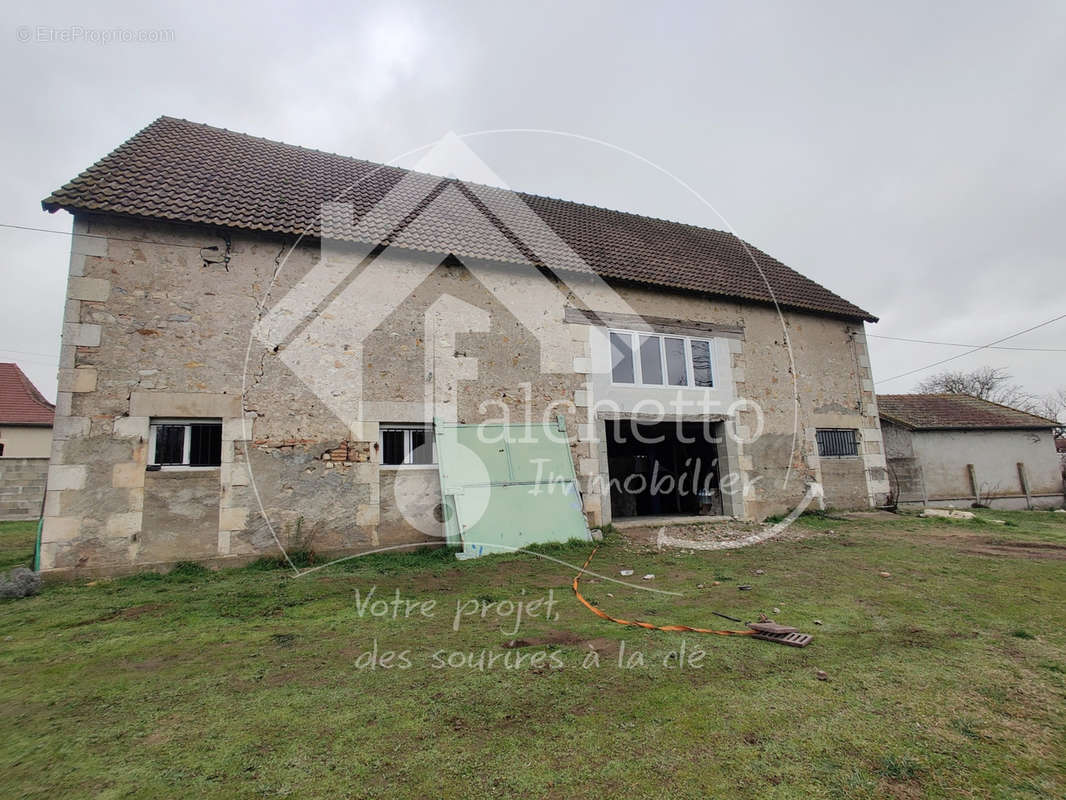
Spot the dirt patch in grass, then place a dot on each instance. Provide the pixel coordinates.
(971, 542)
(133, 612)
(1041, 550)
(557, 638)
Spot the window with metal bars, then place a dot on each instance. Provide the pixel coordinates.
(185, 443)
(837, 442)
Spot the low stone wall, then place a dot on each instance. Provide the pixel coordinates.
(22, 487)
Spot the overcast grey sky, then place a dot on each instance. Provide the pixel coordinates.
(908, 156)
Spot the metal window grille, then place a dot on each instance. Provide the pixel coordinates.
(837, 443)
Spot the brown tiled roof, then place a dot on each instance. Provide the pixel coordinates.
(954, 412)
(20, 402)
(188, 172)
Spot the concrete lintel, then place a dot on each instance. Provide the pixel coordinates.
(184, 404)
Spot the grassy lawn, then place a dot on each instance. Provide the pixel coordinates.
(16, 544)
(945, 679)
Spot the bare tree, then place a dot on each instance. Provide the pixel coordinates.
(1053, 406)
(988, 383)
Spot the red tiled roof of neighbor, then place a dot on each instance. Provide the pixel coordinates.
(20, 402)
(193, 173)
(954, 412)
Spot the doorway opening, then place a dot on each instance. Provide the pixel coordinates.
(663, 468)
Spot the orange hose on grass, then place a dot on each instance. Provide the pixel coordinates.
(639, 623)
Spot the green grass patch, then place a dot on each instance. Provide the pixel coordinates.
(253, 683)
(17, 542)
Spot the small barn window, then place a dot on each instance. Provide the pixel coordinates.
(185, 443)
(837, 442)
(405, 445)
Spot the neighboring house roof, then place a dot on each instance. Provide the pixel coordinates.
(1060, 444)
(189, 172)
(954, 412)
(20, 402)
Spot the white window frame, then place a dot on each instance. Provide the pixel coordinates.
(638, 367)
(155, 422)
(408, 450)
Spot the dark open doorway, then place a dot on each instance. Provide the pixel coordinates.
(663, 468)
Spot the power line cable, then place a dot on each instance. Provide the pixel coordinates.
(97, 236)
(28, 353)
(957, 344)
(974, 350)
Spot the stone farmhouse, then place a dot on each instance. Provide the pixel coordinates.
(258, 338)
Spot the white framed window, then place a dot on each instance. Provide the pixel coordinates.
(184, 443)
(406, 445)
(639, 358)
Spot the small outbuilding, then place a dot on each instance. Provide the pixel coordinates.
(25, 444)
(956, 450)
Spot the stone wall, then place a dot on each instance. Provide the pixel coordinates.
(158, 326)
(22, 487)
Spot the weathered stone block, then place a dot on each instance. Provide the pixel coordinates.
(66, 476)
(89, 245)
(365, 472)
(234, 474)
(126, 523)
(364, 431)
(236, 429)
(60, 529)
(82, 379)
(232, 519)
(52, 503)
(131, 427)
(77, 264)
(70, 428)
(72, 311)
(184, 404)
(127, 476)
(81, 334)
(136, 499)
(95, 289)
(367, 515)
